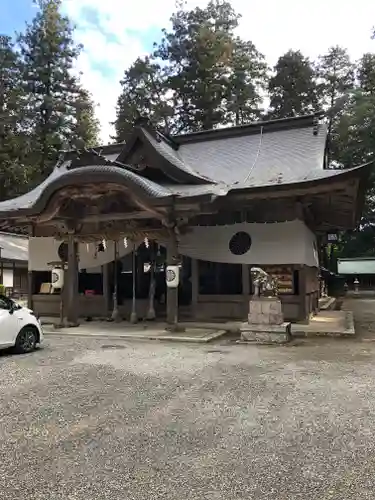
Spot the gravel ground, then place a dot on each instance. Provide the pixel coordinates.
(89, 419)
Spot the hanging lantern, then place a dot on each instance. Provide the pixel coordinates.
(172, 276)
(57, 277)
(147, 243)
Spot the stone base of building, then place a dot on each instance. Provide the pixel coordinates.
(266, 334)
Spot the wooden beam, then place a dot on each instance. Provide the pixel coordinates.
(109, 217)
(287, 192)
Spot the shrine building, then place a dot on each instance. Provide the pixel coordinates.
(215, 203)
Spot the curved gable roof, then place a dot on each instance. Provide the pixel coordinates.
(166, 155)
(63, 175)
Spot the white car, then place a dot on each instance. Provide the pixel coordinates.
(19, 327)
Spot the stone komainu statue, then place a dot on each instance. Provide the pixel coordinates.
(265, 285)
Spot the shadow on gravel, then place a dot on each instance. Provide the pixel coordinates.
(6, 353)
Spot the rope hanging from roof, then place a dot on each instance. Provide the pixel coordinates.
(127, 236)
(257, 155)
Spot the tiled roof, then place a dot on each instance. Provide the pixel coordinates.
(257, 155)
(27, 200)
(61, 176)
(262, 155)
(171, 155)
(264, 158)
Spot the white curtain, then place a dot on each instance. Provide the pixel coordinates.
(273, 243)
(45, 250)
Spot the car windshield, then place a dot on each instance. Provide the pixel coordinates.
(6, 302)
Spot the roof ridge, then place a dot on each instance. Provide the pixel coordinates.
(252, 127)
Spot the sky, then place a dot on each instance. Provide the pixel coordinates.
(115, 32)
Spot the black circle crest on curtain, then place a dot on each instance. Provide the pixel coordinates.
(240, 243)
(63, 252)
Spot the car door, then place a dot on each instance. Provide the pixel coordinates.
(9, 323)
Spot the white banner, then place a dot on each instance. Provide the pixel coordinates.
(45, 250)
(274, 243)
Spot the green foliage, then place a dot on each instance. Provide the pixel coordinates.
(357, 243)
(366, 73)
(53, 93)
(352, 126)
(355, 145)
(200, 75)
(292, 89)
(43, 106)
(143, 93)
(14, 141)
(335, 75)
(85, 125)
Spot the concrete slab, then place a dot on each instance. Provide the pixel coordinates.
(135, 332)
(327, 323)
(327, 303)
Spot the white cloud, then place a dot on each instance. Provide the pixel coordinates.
(274, 26)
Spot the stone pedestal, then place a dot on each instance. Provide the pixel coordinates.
(266, 323)
(265, 311)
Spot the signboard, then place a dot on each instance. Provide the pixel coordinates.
(284, 277)
(332, 237)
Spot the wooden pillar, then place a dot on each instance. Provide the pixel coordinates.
(30, 276)
(136, 272)
(303, 314)
(194, 286)
(106, 294)
(172, 293)
(115, 312)
(72, 312)
(246, 287)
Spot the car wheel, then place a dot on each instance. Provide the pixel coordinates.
(26, 340)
